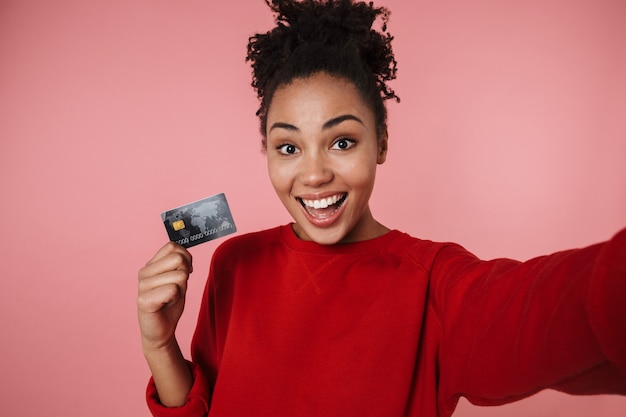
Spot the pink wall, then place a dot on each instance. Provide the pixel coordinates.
(510, 139)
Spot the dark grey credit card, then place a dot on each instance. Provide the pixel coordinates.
(200, 221)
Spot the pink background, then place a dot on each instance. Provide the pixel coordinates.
(510, 139)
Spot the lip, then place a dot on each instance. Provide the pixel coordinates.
(319, 196)
(325, 221)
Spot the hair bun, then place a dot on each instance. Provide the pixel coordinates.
(328, 22)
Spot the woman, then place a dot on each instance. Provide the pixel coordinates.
(335, 314)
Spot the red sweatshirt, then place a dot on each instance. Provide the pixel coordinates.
(398, 326)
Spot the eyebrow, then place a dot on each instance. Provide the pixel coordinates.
(330, 123)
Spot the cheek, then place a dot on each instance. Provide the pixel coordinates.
(360, 173)
(279, 177)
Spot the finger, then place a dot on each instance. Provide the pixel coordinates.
(169, 248)
(174, 261)
(159, 298)
(178, 278)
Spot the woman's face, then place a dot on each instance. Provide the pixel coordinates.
(322, 152)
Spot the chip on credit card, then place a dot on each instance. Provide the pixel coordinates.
(200, 221)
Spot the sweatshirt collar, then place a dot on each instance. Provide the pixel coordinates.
(372, 245)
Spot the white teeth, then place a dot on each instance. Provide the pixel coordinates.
(323, 203)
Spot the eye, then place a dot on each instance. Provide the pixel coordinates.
(343, 144)
(287, 149)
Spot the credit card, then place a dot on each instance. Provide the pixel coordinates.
(200, 221)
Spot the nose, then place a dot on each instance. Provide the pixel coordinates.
(315, 169)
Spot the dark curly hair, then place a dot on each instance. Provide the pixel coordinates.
(332, 36)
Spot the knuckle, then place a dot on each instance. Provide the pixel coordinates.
(171, 246)
(182, 262)
(176, 259)
(143, 303)
(180, 276)
(142, 287)
(180, 257)
(142, 274)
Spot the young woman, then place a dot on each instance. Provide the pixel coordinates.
(335, 314)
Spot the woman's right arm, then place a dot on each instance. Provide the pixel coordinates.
(160, 303)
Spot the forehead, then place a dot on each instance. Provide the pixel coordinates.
(318, 98)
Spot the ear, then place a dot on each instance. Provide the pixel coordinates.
(382, 148)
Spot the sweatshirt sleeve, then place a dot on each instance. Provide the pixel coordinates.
(511, 329)
(606, 302)
(197, 400)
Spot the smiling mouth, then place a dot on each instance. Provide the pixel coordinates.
(324, 207)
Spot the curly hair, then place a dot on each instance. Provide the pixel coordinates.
(332, 36)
